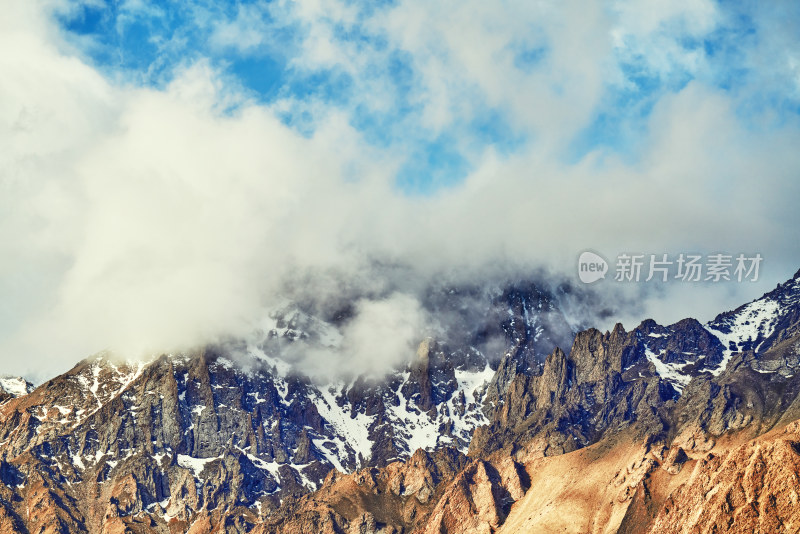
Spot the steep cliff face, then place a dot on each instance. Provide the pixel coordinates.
(605, 382)
(167, 440)
(734, 372)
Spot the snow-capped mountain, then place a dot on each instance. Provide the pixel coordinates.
(234, 437)
(681, 351)
(239, 425)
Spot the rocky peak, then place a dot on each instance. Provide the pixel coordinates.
(761, 324)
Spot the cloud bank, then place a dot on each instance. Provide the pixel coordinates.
(155, 204)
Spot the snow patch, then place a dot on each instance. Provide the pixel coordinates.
(671, 372)
(196, 465)
(758, 318)
(352, 429)
(14, 385)
(470, 382)
(415, 427)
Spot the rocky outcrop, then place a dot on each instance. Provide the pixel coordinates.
(580, 396)
(479, 499)
(396, 498)
(754, 487)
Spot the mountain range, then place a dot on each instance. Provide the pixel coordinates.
(512, 418)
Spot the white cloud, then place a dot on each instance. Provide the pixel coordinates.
(142, 219)
(245, 33)
(384, 333)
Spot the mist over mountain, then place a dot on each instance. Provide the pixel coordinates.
(157, 201)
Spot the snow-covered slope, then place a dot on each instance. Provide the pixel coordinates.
(15, 386)
(753, 326)
(687, 349)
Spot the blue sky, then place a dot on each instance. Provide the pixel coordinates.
(168, 166)
(260, 47)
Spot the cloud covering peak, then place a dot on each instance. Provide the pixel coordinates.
(169, 171)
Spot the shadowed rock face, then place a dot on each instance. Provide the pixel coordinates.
(663, 427)
(662, 380)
